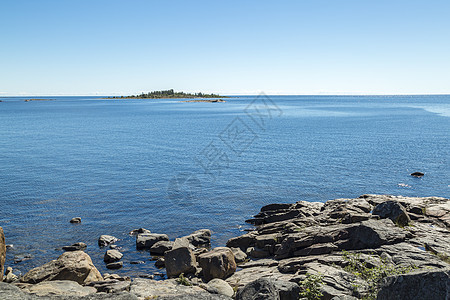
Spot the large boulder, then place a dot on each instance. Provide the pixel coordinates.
(145, 241)
(60, 288)
(217, 263)
(200, 237)
(419, 285)
(219, 286)
(112, 256)
(180, 260)
(393, 210)
(260, 289)
(2, 253)
(159, 248)
(75, 265)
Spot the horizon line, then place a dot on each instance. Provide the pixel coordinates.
(230, 95)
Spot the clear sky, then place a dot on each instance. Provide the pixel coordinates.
(232, 47)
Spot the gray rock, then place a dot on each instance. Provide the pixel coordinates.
(160, 263)
(147, 240)
(139, 231)
(105, 240)
(260, 289)
(221, 287)
(12, 292)
(394, 211)
(75, 220)
(59, 287)
(200, 237)
(112, 256)
(114, 265)
(217, 263)
(159, 248)
(196, 296)
(287, 290)
(111, 286)
(243, 242)
(75, 265)
(75, 247)
(419, 285)
(239, 255)
(179, 260)
(2, 253)
(157, 289)
(10, 276)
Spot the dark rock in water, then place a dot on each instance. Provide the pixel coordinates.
(139, 231)
(160, 263)
(200, 237)
(159, 248)
(394, 211)
(112, 256)
(115, 265)
(21, 258)
(105, 240)
(419, 285)
(417, 174)
(262, 288)
(114, 247)
(217, 263)
(147, 240)
(137, 262)
(2, 252)
(75, 220)
(75, 247)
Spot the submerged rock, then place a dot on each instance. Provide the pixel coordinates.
(75, 247)
(417, 174)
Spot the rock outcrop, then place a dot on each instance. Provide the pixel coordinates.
(75, 266)
(217, 263)
(2, 253)
(145, 241)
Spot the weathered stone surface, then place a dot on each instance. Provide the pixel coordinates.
(12, 292)
(59, 287)
(260, 289)
(2, 253)
(179, 260)
(196, 296)
(287, 290)
(75, 247)
(112, 256)
(394, 211)
(219, 286)
(114, 265)
(243, 241)
(159, 248)
(420, 285)
(239, 255)
(217, 263)
(105, 240)
(75, 265)
(200, 237)
(147, 240)
(10, 276)
(147, 288)
(111, 285)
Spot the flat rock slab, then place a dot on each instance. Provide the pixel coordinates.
(59, 287)
(143, 288)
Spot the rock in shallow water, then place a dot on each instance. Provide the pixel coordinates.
(147, 240)
(75, 220)
(105, 240)
(112, 256)
(75, 247)
(114, 265)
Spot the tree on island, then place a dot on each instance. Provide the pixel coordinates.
(169, 94)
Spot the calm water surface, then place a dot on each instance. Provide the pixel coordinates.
(177, 167)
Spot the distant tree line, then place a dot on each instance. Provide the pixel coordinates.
(169, 94)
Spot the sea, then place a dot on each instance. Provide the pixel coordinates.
(175, 167)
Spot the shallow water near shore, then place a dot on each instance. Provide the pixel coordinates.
(176, 167)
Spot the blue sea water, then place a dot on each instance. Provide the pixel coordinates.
(176, 167)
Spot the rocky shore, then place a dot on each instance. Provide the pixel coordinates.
(371, 247)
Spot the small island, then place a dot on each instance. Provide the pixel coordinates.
(37, 99)
(168, 94)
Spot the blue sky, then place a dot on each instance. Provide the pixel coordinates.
(232, 47)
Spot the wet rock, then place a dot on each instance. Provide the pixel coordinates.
(75, 265)
(417, 174)
(2, 253)
(239, 255)
(75, 220)
(179, 260)
(114, 265)
(217, 263)
(428, 284)
(105, 240)
(137, 262)
(219, 286)
(59, 288)
(394, 211)
(112, 256)
(200, 238)
(75, 247)
(22, 257)
(139, 231)
(160, 263)
(147, 240)
(262, 288)
(159, 248)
